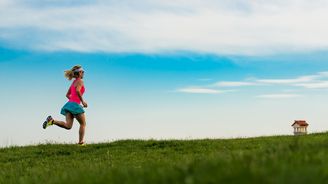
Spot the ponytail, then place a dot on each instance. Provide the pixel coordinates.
(70, 74)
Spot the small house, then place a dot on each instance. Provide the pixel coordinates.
(300, 127)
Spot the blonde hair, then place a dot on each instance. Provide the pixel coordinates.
(70, 74)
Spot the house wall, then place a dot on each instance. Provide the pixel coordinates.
(300, 130)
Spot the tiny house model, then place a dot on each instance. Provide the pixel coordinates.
(300, 127)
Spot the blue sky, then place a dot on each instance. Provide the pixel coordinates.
(159, 69)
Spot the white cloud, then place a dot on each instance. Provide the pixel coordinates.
(222, 27)
(279, 96)
(315, 81)
(314, 85)
(288, 81)
(323, 74)
(198, 90)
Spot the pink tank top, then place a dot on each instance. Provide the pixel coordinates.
(74, 97)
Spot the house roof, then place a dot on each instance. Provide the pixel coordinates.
(300, 123)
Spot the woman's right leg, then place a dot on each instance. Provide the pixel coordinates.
(69, 121)
(81, 119)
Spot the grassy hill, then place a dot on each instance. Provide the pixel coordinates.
(276, 159)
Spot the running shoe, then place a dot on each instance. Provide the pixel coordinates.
(81, 144)
(49, 121)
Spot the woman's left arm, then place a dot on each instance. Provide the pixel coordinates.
(79, 85)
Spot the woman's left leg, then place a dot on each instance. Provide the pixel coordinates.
(81, 119)
(69, 121)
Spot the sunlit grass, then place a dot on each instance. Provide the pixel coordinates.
(276, 159)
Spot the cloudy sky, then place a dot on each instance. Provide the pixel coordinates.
(164, 69)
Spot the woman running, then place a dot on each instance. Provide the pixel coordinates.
(72, 109)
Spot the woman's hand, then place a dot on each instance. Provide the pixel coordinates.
(84, 103)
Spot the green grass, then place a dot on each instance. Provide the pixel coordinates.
(276, 159)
